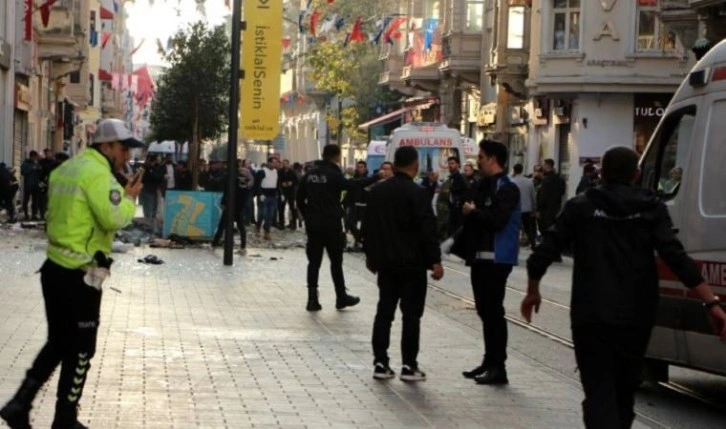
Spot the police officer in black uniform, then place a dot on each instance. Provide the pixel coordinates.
(319, 202)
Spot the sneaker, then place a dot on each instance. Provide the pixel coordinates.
(412, 374)
(383, 372)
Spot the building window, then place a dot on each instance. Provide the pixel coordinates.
(652, 34)
(474, 15)
(566, 25)
(515, 28)
(75, 77)
(432, 9)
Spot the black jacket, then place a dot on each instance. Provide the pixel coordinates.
(287, 176)
(614, 231)
(549, 198)
(497, 214)
(319, 195)
(458, 189)
(400, 226)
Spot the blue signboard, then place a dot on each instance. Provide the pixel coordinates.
(192, 214)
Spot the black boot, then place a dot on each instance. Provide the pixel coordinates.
(66, 416)
(344, 300)
(16, 413)
(313, 303)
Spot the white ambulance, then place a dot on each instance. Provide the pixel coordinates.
(435, 143)
(685, 161)
(376, 154)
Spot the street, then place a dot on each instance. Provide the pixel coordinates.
(191, 343)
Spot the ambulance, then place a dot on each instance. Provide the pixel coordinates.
(376, 155)
(435, 143)
(471, 151)
(685, 162)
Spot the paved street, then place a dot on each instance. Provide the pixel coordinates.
(192, 344)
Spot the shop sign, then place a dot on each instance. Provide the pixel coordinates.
(23, 99)
(650, 106)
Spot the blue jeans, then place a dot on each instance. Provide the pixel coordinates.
(269, 211)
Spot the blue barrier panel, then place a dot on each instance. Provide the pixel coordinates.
(192, 214)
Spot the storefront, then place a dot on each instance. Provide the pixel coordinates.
(21, 130)
(647, 111)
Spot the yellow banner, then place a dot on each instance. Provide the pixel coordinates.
(262, 65)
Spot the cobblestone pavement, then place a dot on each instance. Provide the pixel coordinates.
(191, 343)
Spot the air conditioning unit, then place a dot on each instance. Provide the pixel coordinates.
(559, 111)
(538, 113)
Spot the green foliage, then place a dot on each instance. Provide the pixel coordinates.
(351, 71)
(195, 86)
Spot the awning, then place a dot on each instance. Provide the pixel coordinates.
(395, 115)
(106, 14)
(105, 76)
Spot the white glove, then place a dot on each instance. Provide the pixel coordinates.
(447, 245)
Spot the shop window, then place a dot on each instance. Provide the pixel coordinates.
(665, 159)
(713, 191)
(566, 36)
(474, 15)
(515, 28)
(652, 34)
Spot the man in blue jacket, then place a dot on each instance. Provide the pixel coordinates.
(489, 242)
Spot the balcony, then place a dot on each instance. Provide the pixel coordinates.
(462, 56)
(63, 40)
(422, 60)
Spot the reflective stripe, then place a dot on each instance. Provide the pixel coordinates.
(79, 257)
(484, 255)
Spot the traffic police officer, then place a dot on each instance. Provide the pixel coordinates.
(319, 202)
(86, 206)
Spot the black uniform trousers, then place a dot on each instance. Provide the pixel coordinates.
(329, 238)
(73, 310)
(407, 286)
(609, 359)
(530, 229)
(239, 220)
(489, 282)
(289, 201)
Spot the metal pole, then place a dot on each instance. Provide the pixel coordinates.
(340, 120)
(233, 127)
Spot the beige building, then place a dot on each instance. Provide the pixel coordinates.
(601, 74)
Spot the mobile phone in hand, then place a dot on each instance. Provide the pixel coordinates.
(138, 176)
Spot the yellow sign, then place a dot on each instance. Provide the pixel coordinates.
(262, 65)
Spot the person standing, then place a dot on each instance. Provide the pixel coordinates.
(245, 182)
(8, 189)
(615, 283)
(86, 207)
(549, 197)
(319, 202)
(288, 184)
(457, 188)
(400, 244)
(527, 200)
(267, 199)
(31, 171)
(489, 242)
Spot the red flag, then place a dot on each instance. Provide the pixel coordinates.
(28, 20)
(314, 22)
(356, 35)
(45, 11)
(331, 1)
(137, 47)
(392, 32)
(286, 42)
(105, 37)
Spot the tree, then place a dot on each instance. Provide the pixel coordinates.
(350, 72)
(192, 97)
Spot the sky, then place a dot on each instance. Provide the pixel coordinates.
(161, 19)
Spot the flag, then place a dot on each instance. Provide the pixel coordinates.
(300, 22)
(114, 80)
(115, 6)
(105, 37)
(286, 42)
(310, 2)
(328, 24)
(133, 51)
(340, 23)
(381, 24)
(431, 25)
(28, 20)
(392, 31)
(331, 1)
(314, 21)
(356, 34)
(45, 11)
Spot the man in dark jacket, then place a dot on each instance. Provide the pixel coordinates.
(288, 184)
(31, 171)
(245, 182)
(489, 242)
(614, 230)
(8, 189)
(318, 198)
(400, 244)
(457, 189)
(549, 196)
